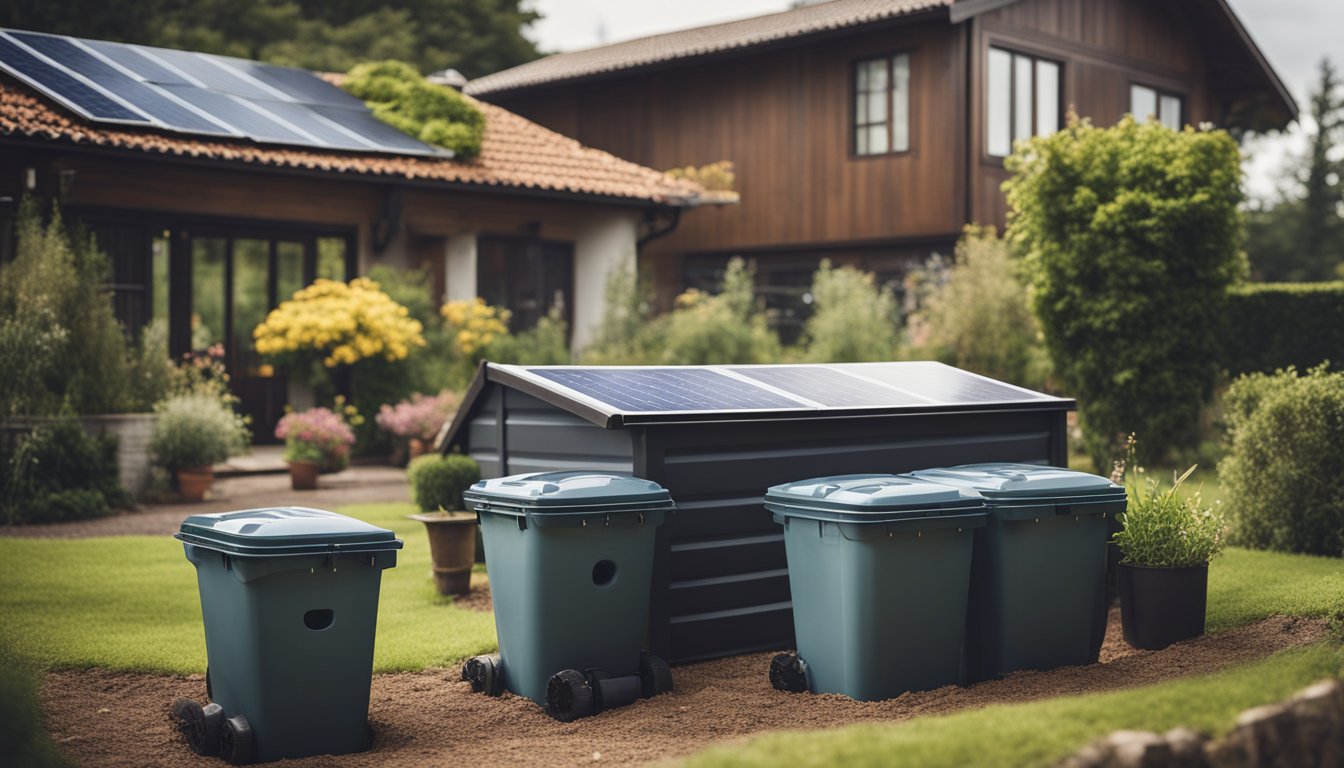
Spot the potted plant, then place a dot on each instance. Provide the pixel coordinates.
(316, 440)
(437, 482)
(1167, 540)
(193, 432)
(417, 420)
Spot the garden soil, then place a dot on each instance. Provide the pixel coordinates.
(431, 718)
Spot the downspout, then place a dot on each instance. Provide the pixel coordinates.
(655, 231)
(969, 81)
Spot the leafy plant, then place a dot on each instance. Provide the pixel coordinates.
(1130, 239)
(1284, 469)
(1166, 527)
(196, 430)
(726, 327)
(546, 343)
(854, 321)
(420, 417)
(715, 177)
(624, 335)
(318, 434)
(59, 472)
(437, 482)
(401, 97)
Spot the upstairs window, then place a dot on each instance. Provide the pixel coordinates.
(1023, 99)
(882, 105)
(1146, 103)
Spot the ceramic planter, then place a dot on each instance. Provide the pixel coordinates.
(193, 482)
(452, 547)
(303, 475)
(1159, 606)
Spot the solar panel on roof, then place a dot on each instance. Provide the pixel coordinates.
(666, 389)
(945, 384)
(828, 386)
(198, 93)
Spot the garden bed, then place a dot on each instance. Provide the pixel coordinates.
(430, 717)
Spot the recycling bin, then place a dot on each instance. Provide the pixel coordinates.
(880, 571)
(1038, 599)
(570, 558)
(290, 602)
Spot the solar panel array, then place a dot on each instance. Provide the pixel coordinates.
(783, 387)
(198, 93)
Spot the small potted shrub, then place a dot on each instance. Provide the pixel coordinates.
(437, 482)
(417, 420)
(1167, 541)
(316, 440)
(193, 432)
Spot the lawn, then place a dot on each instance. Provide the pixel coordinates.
(131, 603)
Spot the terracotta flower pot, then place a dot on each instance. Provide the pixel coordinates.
(415, 448)
(303, 475)
(452, 547)
(193, 482)
(1159, 606)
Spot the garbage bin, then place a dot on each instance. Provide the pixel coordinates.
(570, 557)
(879, 569)
(290, 602)
(1038, 599)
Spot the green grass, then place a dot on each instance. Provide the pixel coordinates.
(131, 603)
(1247, 585)
(1040, 733)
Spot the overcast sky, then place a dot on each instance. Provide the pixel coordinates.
(1294, 35)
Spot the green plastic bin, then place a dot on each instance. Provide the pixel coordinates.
(290, 602)
(879, 570)
(1039, 592)
(570, 557)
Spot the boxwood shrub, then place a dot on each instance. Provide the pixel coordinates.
(1275, 325)
(437, 481)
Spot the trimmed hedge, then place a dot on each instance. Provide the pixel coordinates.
(1275, 325)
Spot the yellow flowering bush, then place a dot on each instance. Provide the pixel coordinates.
(472, 325)
(342, 323)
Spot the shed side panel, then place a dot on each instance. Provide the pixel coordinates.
(540, 437)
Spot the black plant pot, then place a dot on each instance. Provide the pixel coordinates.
(1159, 606)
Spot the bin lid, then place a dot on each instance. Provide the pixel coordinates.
(276, 531)
(868, 498)
(1020, 482)
(571, 490)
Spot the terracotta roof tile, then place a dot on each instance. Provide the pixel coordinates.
(516, 154)
(700, 41)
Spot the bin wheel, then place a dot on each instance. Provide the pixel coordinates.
(199, 725)
(484, 674)
(788, 672)
(655, 676)
(236, 745)
(568, 696)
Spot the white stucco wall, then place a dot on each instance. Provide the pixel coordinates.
(602, 244)
(459, 262)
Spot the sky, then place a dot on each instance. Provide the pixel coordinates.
(1293, 34)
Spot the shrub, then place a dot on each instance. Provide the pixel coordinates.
(1165, 528)
(319, 434)
(60, 473)
(1283, 475)
(23, 738)
(715, 177)
(854, 319)
(716, 330)
(1130, 238)
(421, 417)
(980, 318)
(196, 430)
(546, 343)
(401, 97)
(1275, 325)
(437, 482)
(624, 337)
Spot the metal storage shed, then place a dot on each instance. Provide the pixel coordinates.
(718, 436)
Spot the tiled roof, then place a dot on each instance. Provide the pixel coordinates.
(701, 41)
(516, 154)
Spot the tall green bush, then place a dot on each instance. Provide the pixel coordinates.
(1130, 237)
(854, 319)
(1275, 325)
(1283, 476)
(724, 328)
(980, 319)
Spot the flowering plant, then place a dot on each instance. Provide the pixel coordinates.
(472, 325)
(318, 434)
(420, 417)
(340, 324)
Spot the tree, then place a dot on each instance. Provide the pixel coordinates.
(1130, 236)
(1300, 237)
(475, 37)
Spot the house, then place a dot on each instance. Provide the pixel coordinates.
(210, 225)
(871, 131)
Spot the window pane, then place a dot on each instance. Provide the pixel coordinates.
(207, 291)
(251, 270)
(1170, 111)
(1142, 102)
(998, 109)
(331, 258)
(288, 269)
(877, 139)
(1022, 97)
(900, 103)
(159, 282)
(860, 107)
(877, 75)
(877, 108)
(1047, 98)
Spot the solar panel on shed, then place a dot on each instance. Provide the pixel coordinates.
(656, 390)
(198, 93)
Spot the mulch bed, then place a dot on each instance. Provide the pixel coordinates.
(431, 718)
